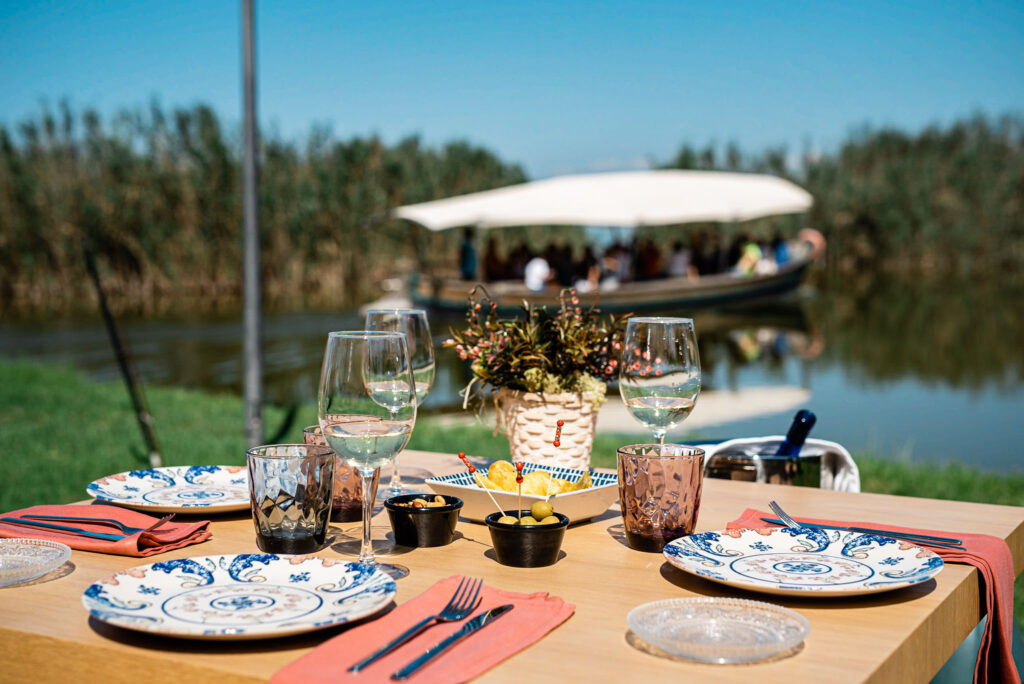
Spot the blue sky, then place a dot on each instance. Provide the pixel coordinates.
(560, 87)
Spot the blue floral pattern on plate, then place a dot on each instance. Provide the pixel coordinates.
(245, 596)
(803, 562)
(176, 489)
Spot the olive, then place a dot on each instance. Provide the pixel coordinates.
(541, 510)
(550, 520)
(507, 520)
(528, 520)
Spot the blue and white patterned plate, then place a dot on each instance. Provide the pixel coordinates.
(803, 562)
(177, 489)
(246, 596)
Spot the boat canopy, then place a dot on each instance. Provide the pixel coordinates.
(627, 199)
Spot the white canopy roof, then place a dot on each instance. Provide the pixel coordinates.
(631, 198)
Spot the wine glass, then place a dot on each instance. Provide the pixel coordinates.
(412, 322)
(366, 374)
(659, 372)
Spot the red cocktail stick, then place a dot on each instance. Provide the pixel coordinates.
(519, 483)
(476, 478)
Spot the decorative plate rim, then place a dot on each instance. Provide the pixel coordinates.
(259, 630)
(94, 489)
(852, 540)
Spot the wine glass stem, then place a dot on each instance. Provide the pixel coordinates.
(366, 550)
(395, 488)
(660, 436)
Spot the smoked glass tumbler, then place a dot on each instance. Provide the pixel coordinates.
(659, 492)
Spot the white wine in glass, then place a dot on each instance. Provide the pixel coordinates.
(659, 372)
(366, 428)
(389, 392)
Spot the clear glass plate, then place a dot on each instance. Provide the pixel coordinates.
(718, 630)
(22, 560)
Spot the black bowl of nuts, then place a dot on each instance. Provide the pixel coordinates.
(423, 519)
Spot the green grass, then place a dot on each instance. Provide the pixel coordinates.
(61, 431)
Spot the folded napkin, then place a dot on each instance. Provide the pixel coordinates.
(990, 555)
(838, 470)
(534, 616)
(170, 535)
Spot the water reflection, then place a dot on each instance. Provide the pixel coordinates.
(885, 360)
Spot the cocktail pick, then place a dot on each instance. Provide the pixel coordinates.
(519, 484)
(557, 443)
(476, 478)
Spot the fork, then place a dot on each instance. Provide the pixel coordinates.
(783, 516)
(463, 602)
(124, 528)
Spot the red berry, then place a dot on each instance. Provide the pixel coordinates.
(557, 443)
(560, 423)
(462, 455)
(472, 469)
(519, 466)
(519, 479)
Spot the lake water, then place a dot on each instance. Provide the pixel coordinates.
(925, 372)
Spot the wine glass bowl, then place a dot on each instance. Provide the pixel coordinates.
(390, 392)
(366, 406)
(659, 372)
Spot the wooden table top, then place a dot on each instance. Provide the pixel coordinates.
(900, 636)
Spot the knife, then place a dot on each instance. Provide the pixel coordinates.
(471, 626)
(63, 528)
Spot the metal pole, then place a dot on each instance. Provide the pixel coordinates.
(142, 413)
(251, 315)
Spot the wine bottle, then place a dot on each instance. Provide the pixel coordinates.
(803, 421)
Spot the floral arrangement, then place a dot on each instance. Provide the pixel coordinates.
(571, 350)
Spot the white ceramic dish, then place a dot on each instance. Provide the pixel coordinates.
(245, 596)
(719, 630)
(804, 562)
(578, 506)
(177, 489)
(22, 560)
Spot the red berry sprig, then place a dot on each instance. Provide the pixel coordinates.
(558, 433)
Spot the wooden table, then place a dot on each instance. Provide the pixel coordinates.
(902, 636)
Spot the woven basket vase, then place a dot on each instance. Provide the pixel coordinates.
(531, 420)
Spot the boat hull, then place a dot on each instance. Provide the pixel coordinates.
(666, 293)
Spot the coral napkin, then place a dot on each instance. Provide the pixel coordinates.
(990, 555)
(534, 616)
(170, 535)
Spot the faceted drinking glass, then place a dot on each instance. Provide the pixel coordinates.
(659, 492)
(290, 491)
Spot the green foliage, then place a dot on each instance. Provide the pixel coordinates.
(158, 195)
(568, 351)
(950, 198)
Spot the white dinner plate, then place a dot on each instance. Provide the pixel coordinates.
(804, 562)
(245, 596)
(177, 489)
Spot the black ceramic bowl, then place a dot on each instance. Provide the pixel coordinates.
(423, 526)
(526, 546)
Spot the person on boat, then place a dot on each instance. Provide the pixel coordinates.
(780, 250)
(467, 256)
(750, 255)
(495, 267)
(537, 274)
(679, 263)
